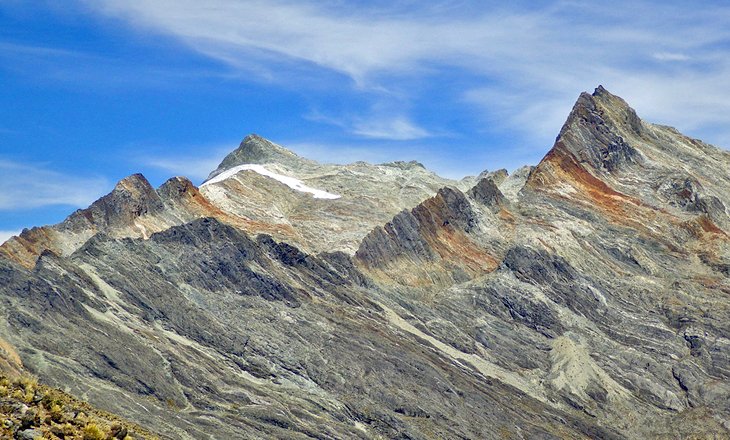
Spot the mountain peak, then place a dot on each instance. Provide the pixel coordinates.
(135, 183)
(603, 107)
(255, 149)
(600, 131)
(595, 146)
(132, 197)
(601, 92)
(412, 307)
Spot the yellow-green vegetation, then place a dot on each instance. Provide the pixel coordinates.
(48, 413)
(92, 431)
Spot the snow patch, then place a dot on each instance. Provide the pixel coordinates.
(291, 182)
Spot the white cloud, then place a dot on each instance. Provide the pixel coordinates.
(5, 235)
(532, 61)
(356, 42)
(670, 56)
(386, 127)
(51, 65)
(378, 125)
(515, 109)
(16, 50)
(25, 186)
(399, 128)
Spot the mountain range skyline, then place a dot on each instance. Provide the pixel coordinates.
(95, 91)
(584, 297)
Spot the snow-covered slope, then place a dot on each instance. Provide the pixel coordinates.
(291, 182)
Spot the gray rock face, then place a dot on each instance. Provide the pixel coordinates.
(400, 236)
(29, 434)
(594, 136)
(487, 193)
(437, 243)
(586, 297)
(132, 209)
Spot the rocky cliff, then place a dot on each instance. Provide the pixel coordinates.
(586, 297)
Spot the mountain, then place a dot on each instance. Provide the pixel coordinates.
(585, 297)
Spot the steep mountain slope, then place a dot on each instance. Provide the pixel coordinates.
(587, 297)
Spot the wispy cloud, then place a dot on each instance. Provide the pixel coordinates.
(16, 49)
(379, 126)
(671, 56)
(358, 42)
(531, 61)
(60, 66)
(24, 186)
(399, 128)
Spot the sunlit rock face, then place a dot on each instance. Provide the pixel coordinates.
(585, 297)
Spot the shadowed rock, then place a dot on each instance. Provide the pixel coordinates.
(487, 193)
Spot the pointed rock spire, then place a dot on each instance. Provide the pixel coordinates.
(595, 148)
(176, 188)
(599, 132)
(432, 241)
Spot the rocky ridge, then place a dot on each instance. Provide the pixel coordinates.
(586, 297)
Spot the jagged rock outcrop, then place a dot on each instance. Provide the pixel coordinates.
(487, 193)
(598, 131)
(131, 199)
(132, 209)
(440, 242)
(606, 155)
(586, 297)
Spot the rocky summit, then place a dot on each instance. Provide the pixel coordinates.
(585, 297)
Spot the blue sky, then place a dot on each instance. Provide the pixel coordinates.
(92, 91)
